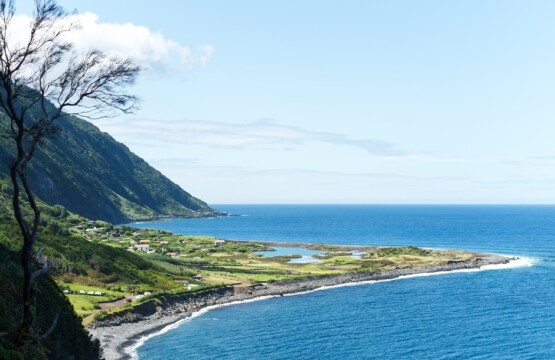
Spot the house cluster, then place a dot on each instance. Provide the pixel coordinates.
(149, 246)
(141, 245)
(138, 242)
(83, 292)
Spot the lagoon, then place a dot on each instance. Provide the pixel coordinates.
(302, 255)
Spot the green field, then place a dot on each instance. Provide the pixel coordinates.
(122, 261)
(85, 304)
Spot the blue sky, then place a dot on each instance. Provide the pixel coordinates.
(339, 102)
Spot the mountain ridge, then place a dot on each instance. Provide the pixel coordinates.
(90, 173)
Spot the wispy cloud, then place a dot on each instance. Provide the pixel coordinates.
(149, 49)
(536, 161)
(227, 170)
(523, 181)
(262, 133)
(543, 158)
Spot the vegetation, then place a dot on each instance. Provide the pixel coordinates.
(122, 261)
(68, 339)
(92, 265)
(43, 67)
(128, 266)
(117, 185)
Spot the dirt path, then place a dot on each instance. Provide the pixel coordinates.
(107, 305)
(116, 303)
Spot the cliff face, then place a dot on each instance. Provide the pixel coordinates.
(91, 174)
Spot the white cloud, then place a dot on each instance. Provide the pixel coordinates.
(149, 49)
(261, 133)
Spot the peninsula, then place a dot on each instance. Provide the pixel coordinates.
(236, 271)
(126, 283)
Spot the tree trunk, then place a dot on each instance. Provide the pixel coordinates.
(27, 264)
(18, 177)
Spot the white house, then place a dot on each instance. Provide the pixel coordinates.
(142, 247)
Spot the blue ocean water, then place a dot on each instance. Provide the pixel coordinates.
(497, 314)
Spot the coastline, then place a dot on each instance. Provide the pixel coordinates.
(122, 333)
(162, 218)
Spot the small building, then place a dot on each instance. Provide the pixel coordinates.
(198, 277)
(144, 241)
(219, 243)
(164, 242)
(172, 254)
(142, 247)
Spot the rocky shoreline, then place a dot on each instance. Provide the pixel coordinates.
(118, 332)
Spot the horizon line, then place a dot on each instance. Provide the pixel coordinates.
(386, 204)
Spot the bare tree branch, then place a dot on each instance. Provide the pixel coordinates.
(52, 326)
(45, 265)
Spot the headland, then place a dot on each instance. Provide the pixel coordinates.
(121, 333)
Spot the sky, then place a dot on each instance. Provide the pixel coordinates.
(350, 102)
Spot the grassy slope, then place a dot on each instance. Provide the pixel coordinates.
(77, 261)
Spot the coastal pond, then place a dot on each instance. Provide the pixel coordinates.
(306, 255)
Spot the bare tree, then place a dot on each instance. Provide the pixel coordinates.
(42, 79)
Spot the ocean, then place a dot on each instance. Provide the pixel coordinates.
(495, 314)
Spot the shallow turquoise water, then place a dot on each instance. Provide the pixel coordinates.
(497, 314)
(307, 255)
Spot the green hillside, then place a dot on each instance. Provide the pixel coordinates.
(74, 256)
(68, 340)
(89, 173)
(75, 263)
